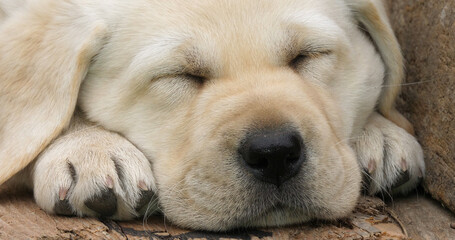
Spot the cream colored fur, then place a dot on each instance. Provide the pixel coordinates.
(90, 149)
(169, 89)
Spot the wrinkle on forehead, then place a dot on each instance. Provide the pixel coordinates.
(225, 43)
(236, 40)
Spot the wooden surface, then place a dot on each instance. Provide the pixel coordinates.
(424, 218)
(417, 215)
(426, 32)
(21, 218)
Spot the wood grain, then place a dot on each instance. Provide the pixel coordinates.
(426, 32)
(21, 218)
(424, 218)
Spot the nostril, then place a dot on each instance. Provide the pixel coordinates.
(261, 163)
(292, 159)
(273, 156)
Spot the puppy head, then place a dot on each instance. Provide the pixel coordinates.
(245, 109)
(242, 113)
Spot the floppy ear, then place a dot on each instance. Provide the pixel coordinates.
(45, 52)
(372, 15)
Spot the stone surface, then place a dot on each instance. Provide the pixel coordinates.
(426, 32)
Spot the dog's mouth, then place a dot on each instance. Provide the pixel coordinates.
(281, 206)
(274, 215)
(280, 215)
(260, 205)
(231, 194)
(266, 166)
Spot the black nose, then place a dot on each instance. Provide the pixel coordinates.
(273, 156)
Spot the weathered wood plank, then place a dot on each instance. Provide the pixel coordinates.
(424, 218)
(426, 32)
(21, 218)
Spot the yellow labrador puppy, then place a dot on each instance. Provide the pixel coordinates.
(218, 113)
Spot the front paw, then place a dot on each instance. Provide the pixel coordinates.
(93, 172)
(391, 158)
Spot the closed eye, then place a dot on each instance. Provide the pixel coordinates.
(295, 62)
(196, 78)
(307, 56)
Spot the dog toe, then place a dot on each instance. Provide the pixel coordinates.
(403, 178)
(93, 172)
(392, 158)
(63, 207)
(144, 201)
(105, 204)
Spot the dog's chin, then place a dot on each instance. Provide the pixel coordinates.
(279, 216)
(276, 216)
(263, 211)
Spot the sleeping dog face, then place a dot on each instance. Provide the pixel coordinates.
(244, 108)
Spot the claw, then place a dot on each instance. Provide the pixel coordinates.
(62, 193)
(63, 207)
(404, 178)
(105, 203)
(403, 165)
(109, 182)
(146, 197)
(371, 166)
(143, 186)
